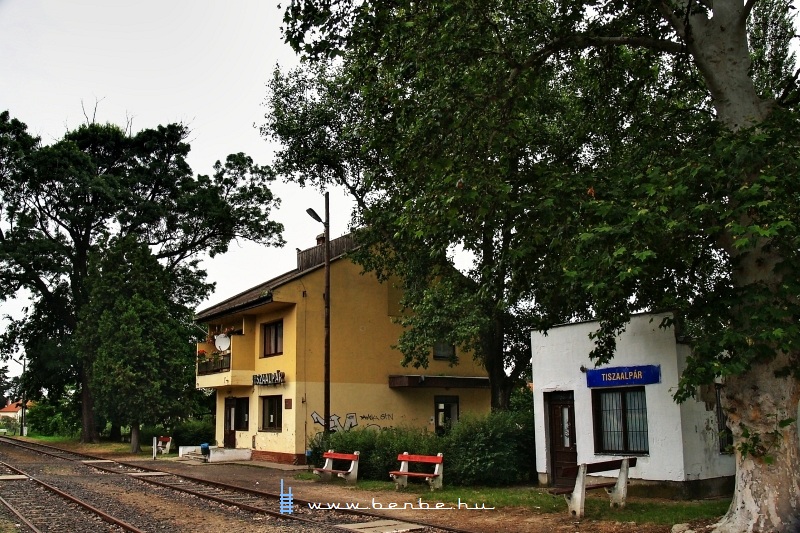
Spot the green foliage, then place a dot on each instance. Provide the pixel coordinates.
(193, 433)
(52, 420)
(137, 334)
(64, 203)
(495, 450)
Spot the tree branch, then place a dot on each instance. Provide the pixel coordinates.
(579, 42)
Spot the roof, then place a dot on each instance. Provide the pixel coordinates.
(14, 407)
(307, 261)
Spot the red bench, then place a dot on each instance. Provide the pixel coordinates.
(434, 479)
(617, 490)
(326, 472)
(163, 444)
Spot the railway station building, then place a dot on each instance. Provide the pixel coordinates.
(586, 414)
(264, 357)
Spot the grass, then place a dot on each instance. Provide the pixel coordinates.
(104, 447)
(537, 500)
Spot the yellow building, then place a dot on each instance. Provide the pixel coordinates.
(265, 359)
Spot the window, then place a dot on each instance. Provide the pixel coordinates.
(725, 433)
(445, 412)
(241, 419)
(273, 338)
(620, 420)
(443, 351)
(272, 413)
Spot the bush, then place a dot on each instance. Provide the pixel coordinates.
(193, 433)
(494, 450)
(50, 420)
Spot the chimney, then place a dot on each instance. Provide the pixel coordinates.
(320, 239)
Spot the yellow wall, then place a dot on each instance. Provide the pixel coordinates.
(362, 333)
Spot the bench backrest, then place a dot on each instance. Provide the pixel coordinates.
(601, 466)
(340, 456)
(433, 459)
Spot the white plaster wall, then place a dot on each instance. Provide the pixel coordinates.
(702, 458)
(557, 358)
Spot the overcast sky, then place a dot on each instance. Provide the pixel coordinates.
(200, 62)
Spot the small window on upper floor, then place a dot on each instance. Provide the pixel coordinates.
(273, 338)
(444, 351)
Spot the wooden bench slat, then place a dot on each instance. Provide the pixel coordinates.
(596, 468)
(341, 456)
(413, 474)
(331, 471)
(433, 459)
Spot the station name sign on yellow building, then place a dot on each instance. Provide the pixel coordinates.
(623, 375)
(271, 378)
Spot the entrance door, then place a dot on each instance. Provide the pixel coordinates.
(229, 435)
(563, 448)
(445, 413)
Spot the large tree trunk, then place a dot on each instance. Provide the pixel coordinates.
(767, 496)
(768, 474)
(136, 445)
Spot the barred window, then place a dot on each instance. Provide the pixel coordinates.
(620, 420)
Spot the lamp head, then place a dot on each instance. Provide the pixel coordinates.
(313, 214)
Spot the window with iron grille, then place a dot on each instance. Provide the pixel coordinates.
(725, 434)
(620, 420)
(273, 338)
(272, 413)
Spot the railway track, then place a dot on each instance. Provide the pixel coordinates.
(40, 507)
(277, 507)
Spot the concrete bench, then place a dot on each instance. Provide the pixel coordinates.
(326, 472)
(434, 479)
(163, 444)
(617, 490)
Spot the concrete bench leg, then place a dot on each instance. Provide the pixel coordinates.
(619, 492)
(351, 476)
(576, 500)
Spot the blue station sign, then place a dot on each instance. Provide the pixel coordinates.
(623, 375)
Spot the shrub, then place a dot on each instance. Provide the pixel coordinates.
(494, 450)
(50, 420)
(193, 433)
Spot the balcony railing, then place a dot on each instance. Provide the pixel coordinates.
(214, 365)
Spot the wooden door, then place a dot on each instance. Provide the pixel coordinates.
(563, 448)
(229, 436)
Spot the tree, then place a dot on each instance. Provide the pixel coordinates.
(318, 115)
(137, 330)
(673, 186)
(62, 203)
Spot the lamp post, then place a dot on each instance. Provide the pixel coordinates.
(327, 353)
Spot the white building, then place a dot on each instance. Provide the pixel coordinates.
(626, 408)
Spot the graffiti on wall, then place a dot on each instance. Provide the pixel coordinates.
(369, 420)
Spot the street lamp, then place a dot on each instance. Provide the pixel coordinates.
(327, 373)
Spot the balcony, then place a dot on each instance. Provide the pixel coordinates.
(223, 369)
(214, 365)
